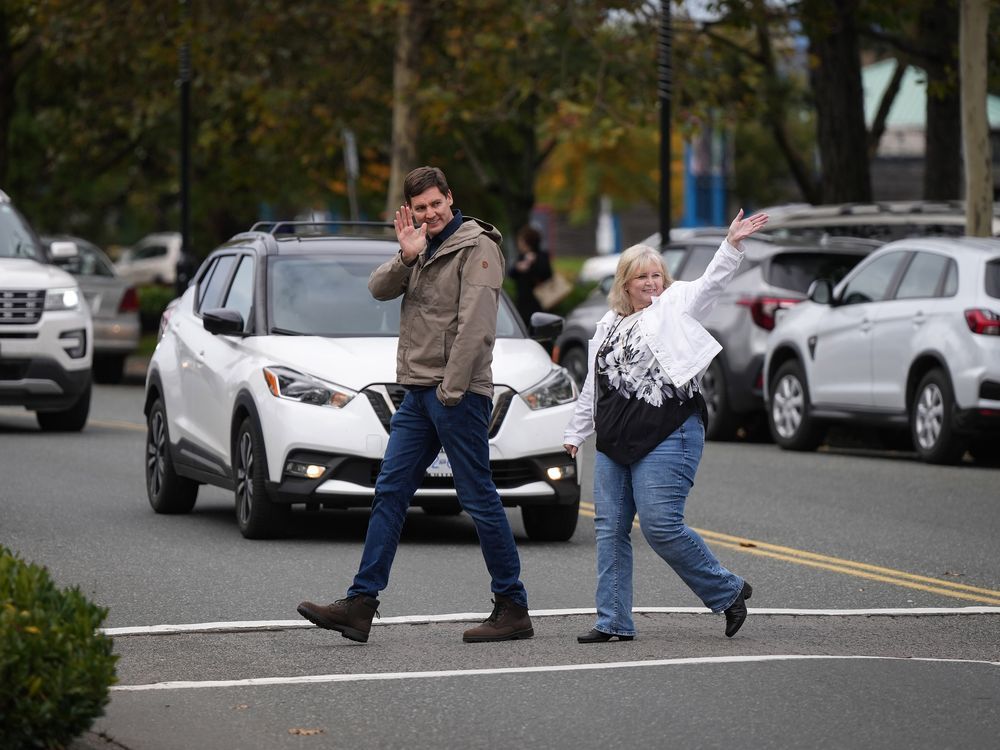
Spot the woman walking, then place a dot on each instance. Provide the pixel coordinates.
(641, 396)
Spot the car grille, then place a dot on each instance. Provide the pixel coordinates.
(386, 398)
(512, 473)
(21, 306)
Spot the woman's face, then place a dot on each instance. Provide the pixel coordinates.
(645, 284)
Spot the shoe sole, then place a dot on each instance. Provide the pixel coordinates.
(605, 640)
(519, 635)
(349, 633)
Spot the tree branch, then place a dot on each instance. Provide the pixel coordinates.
(888, 97)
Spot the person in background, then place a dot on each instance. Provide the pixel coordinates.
(641, 397)
(531, 267)
(449, 269)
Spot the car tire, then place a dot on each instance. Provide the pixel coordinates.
(168, 492)
(109, 369)
(550, 523)
(72, 419)
(574, 360)
(256, 515)
(932, 420)
(721, 420)
(792, 426)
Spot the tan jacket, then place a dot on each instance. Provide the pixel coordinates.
(448, 321)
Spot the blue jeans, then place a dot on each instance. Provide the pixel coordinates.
(420, 427)
(656, 486)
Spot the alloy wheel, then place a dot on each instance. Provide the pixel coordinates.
(787, 406)
(930, 416)
(156, 446)
(244, 477)
(709, 387)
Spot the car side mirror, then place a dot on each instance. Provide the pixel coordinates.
(545, 326)
(223, 321)
(62, 250)
(821, 292)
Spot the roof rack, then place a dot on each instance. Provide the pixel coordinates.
(296, 228)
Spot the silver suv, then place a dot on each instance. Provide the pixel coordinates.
(772, 276)
(909, 339)
(46, 335)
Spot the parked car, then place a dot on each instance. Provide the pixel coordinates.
(152, 260)
(885, 221)
(772, 276)
(113, 302)
(909, 339)
(46, 337)
(275, 377)
(602, 267)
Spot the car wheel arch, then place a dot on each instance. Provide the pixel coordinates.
(153, 391)
(779, 356)
(918, 369)
(243, 407)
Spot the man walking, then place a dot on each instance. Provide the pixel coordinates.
(449, 271)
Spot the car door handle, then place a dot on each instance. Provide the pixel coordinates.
(866, 325)
(919, 319)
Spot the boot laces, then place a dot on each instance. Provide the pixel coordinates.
(347, 602)
(498, 610)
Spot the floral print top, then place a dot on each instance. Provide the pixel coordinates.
(638, 406)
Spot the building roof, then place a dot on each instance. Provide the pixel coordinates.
(909, 109)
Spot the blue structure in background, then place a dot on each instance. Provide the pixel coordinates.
(705, 169)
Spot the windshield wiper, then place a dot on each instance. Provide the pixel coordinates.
(286, 332)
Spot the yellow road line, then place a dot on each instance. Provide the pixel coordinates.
(118, 424)
(840, 565)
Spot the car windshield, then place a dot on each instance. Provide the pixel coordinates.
(796, 271)
(16, 240)
(875, 230)
(328, 296)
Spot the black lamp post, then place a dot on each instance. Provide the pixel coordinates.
(185, 266)
(665, 82)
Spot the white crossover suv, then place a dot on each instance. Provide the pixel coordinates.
(46, 334)
(910, 338)
(275, 376)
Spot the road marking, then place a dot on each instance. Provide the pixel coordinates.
(840, 565)
(264, 625)
(117, 424)
(385, 676)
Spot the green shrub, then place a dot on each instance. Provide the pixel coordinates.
(55, 669)
(153, 300)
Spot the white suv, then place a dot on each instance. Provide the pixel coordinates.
(46, 335)
(910, 338)
(275, 376)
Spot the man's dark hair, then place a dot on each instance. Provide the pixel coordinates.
(421, 179)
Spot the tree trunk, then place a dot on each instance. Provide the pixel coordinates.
(411, 28)
(938, 34)
(835, 75)
(975, 128)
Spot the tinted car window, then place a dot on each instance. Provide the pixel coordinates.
(923, 276)
(92, 261)
(872, 283)
(993, 278)
(329, 297)
(240, 297)
(798, 270)
(150, 251)
(16, 241)
(951, 280)
(214, 284)
(697, 261)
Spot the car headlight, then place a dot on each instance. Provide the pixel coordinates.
(557, 388)
(296, 386)
(62, 299)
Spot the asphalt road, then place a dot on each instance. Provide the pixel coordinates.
(864, 564)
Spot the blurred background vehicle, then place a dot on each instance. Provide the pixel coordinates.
(773, 276)
(909, 339)
(113, 302)
(152, 260)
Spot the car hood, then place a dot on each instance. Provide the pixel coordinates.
(24, 273)
(359, 362)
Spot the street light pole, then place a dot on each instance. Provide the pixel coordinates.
(665, 82)
(185, 266)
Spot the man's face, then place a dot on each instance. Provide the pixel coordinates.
(433, 208)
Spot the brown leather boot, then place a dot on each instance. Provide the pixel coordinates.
(351, 617)
(507, 622)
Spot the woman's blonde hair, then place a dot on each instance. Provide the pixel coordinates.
(632, 260)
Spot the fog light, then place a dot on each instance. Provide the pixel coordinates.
(555, 473)
(309, 471)
(74, 342)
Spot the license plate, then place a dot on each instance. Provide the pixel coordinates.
(441, 467)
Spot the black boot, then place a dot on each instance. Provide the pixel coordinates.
(737, 613)
(597, 636)
(508, 622)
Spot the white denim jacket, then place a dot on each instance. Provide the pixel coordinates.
(670, 327)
